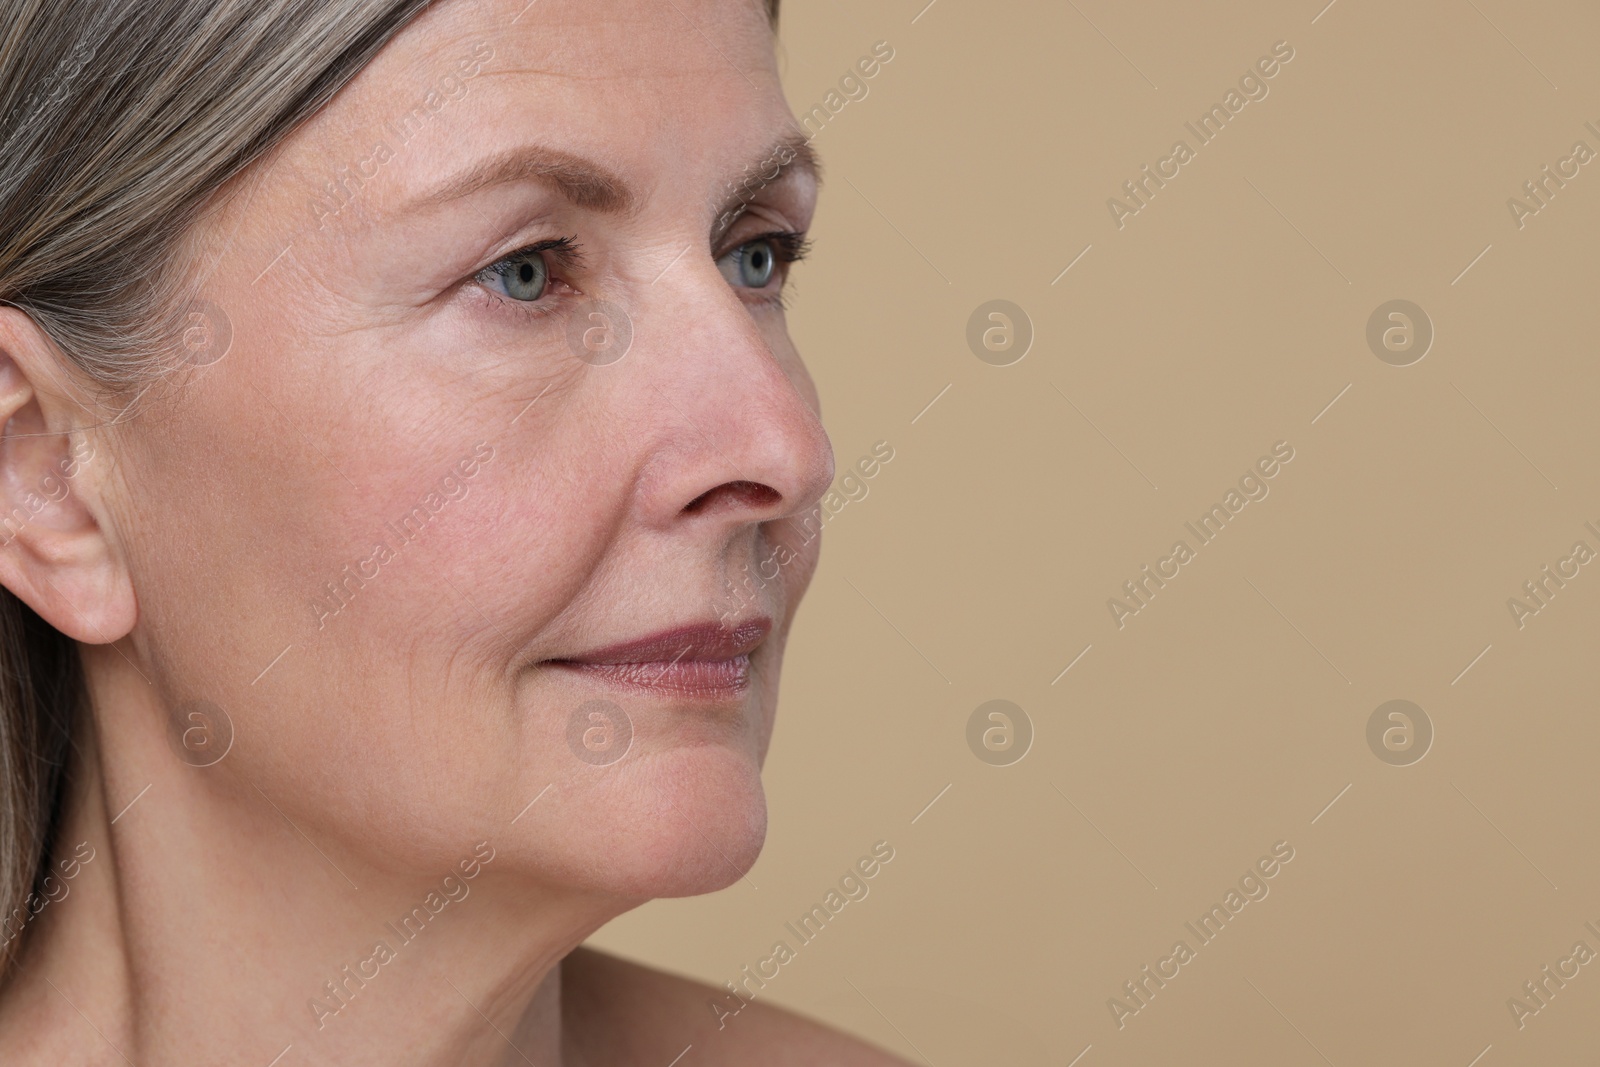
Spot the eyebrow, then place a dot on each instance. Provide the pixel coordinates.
(590, 185)
(790, 154)
(584, 182)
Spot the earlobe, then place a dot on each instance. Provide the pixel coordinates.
(55, 554)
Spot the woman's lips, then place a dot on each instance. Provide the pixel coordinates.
(698, 660)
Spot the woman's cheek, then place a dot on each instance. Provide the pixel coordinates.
(802, 553)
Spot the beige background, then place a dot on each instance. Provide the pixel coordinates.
(1224, 317)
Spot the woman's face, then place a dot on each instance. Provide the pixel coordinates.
(509, 383)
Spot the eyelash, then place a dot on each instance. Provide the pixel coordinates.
(791, 247)
(566, 255)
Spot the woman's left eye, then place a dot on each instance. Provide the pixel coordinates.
(750, 265)
(753, 264)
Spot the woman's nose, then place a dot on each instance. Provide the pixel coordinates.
(732, 428)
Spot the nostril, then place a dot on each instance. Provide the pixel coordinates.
(740, 494)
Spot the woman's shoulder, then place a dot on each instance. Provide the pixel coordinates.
(616, 1011)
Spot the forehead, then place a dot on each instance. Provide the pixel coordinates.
(630, 83)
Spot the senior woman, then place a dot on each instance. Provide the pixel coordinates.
(390, 391)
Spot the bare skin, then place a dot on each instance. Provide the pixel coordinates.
(405, 340)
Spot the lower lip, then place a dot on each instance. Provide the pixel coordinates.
(704, 679)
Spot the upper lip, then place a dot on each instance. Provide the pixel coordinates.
(696, 641)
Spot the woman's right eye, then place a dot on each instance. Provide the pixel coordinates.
(520, 276)
(526, 275)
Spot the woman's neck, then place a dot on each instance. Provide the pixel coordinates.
(201, 925)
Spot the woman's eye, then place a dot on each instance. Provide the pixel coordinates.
(534, 275)
(751, 265)
(521, 276)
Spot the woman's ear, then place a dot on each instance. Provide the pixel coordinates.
(55, 554)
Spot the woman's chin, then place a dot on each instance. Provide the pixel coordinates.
(667, 824)
(702, 819)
